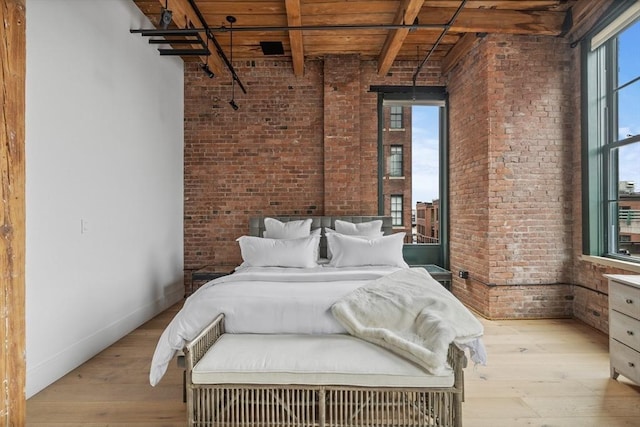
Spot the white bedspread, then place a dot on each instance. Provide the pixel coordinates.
(411, 314)
(264, 300)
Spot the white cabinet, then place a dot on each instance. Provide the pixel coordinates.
(624, 325)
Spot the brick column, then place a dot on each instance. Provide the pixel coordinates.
(510, 173)
(342, 135)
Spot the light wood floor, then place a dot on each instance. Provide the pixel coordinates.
(551, 373)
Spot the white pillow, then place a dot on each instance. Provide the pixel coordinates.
(275, 229)
(372, 235)
(370, 228)
(265, 252)
(351, 251)
(314, 232)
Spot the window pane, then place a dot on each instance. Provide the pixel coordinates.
(628, 58)
(395, 161)
(396, 210)
(629, 111)
(628, 206)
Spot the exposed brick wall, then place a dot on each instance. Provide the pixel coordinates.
(296, 146)
(511, 160)
(264, 159)
(342, 135)
(399, 186)
(469, 177)
(531, 301)
(531, 119)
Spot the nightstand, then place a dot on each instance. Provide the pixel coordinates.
(440, 274)
(207, 273)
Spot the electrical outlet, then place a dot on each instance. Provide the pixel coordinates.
(463, 274)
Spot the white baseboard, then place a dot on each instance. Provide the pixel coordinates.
(58, 365)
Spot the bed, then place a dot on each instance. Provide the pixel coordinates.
(322, 325)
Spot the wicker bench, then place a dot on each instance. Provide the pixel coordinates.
(325, 381)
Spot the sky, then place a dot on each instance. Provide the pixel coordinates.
(629, 103)
(425, 153)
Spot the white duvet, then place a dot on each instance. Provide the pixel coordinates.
(264, 300)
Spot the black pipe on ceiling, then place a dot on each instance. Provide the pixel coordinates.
(447, 26)
(223, 29)
(211, 37)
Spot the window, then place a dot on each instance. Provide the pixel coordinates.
(612, 151)
(395, 161)
(396, 211)
(413, 156)
(395, 117)
(411, 199)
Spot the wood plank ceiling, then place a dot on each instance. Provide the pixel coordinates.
(365, 26)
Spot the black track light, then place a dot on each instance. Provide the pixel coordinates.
(234, 105)
(207, 70)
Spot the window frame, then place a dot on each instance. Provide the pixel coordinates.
(600, 138)
(396, 117)
(396, 200)
(420, 253)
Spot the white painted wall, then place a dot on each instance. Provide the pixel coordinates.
(104, 147)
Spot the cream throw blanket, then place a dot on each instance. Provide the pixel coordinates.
(411, 314)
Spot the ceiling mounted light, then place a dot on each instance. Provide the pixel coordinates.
(165, 16)
(205, 65)
(207, 70)
(231, 20)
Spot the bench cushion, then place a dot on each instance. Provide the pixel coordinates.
(309, 360)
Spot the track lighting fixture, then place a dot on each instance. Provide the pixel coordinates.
(207, 70)
(165, 16)
(231, 20)
(205, 65)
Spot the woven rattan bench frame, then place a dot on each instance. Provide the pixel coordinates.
(264, 405)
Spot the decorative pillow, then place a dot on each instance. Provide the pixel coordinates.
(370, 228)
(275, 229)
(314, 232)
(265, 252)
(372, 235)
(350, 251)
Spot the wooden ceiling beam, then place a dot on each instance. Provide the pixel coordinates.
(505, 4)
(406, 14)
(294, 19)
(584, 14)
(497, 21)
(458, 51)
(183, 15)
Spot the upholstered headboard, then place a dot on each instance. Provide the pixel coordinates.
(256, 225)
